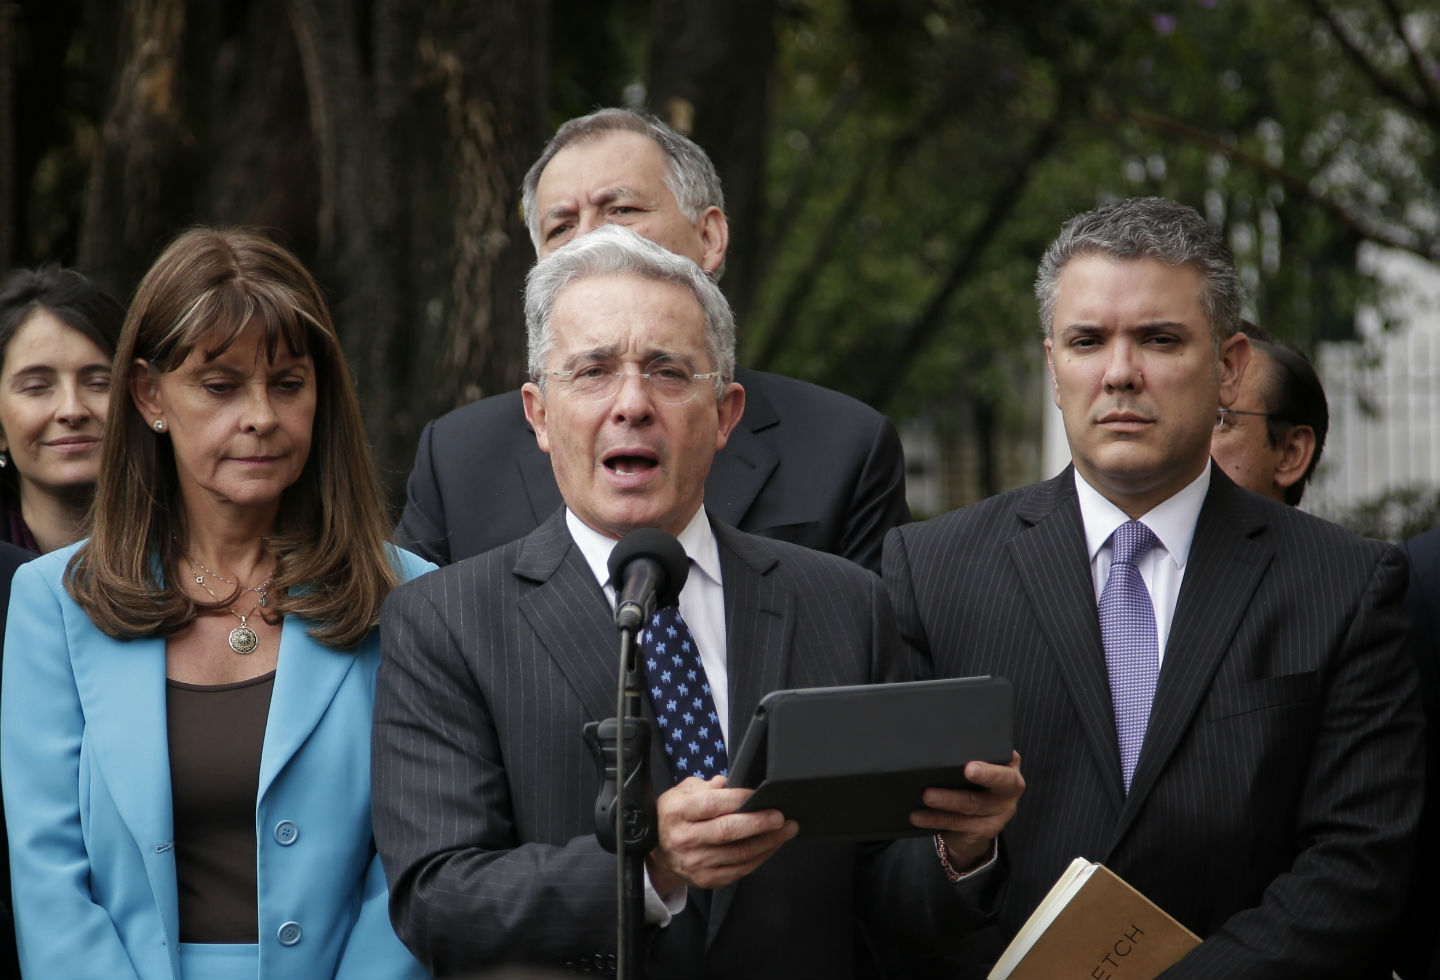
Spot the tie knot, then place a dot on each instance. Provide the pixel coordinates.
(666, 615)
(1131, 542)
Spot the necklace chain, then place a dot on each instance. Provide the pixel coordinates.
(263, 589)
(243, 639)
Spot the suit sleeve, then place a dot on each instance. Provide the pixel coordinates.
(423, 528)
(878, 503)
(464, 892)
(60, 930)
(1330, 913)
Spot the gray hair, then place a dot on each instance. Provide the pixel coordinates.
(1148, 228)
(615, 250)
(689, 173)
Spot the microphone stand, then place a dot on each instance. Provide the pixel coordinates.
(628, 829)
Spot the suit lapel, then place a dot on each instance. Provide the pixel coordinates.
(307, 675)
(759, 623)
(1228, 557)
(120, 681)
(571, 617)
(738, 475)
(741, 470)
(759, 630)
(537, 475)
(1051, 559)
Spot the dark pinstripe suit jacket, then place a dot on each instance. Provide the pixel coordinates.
(1274, 805)
(484, 793)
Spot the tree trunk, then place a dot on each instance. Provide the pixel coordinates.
(144, 173)
(711, 67)
(421, 155)
(484, 71)
(359, 253)
(8, 236)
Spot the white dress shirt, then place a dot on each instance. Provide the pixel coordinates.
(1163, 567)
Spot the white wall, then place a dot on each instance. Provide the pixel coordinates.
(1384, 391)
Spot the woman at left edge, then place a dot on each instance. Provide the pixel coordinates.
(185, 727)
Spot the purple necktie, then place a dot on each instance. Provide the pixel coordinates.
(1132, 652)
(680, 696)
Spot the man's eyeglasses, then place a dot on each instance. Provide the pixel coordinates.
(666, 381)
(1225, 417)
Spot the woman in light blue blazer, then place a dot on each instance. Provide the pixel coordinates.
(185, 716)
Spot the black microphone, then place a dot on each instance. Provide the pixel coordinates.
(648, 569)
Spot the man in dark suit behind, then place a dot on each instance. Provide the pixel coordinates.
(806, 464)
(1273, 802)
(484, 792)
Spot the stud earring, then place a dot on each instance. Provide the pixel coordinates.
(4, 459)
(158, 425)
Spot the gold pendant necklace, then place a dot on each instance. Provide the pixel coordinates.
(243, 639)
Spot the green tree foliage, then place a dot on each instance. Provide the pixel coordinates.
(1398, 514)
(925, 152)
(894, 167)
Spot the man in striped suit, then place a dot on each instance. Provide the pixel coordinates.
(1233, 727)
(484, 792)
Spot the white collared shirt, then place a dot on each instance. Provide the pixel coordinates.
(1163, 567)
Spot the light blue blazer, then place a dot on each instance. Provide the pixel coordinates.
(86, 771)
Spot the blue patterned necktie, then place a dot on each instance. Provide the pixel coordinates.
(680, 696)
(1132, 652)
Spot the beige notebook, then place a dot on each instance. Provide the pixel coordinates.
(1092, 924)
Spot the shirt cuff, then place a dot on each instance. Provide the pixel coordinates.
(660, 909)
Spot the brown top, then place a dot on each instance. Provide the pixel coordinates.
(216, 734)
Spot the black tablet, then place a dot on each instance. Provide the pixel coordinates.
(851, 763)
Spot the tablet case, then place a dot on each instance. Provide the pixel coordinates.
(851, 763)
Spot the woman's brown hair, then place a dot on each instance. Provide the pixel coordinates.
(332, 565)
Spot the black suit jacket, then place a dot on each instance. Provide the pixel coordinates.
(1418, 942)
(484, 792)
(1274, 805)
(805, 464)
(11, 558)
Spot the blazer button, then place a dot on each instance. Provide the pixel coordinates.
(286, 833)
(289, 934)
